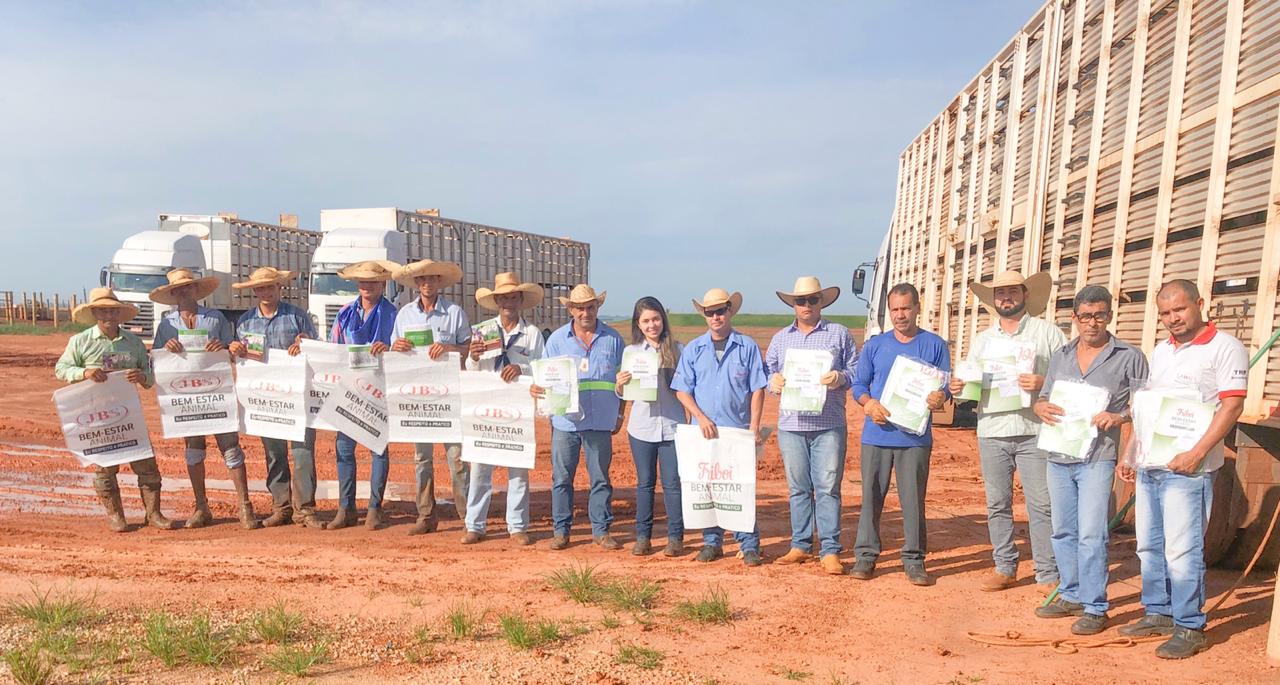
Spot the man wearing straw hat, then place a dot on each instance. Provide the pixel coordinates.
(277, 325)
(209, 330)
(93, 353)
(720, 381)
(1007, 439)
(813, 445)
(367, 320)
(449, 331)
(521, 343)
(597, 352)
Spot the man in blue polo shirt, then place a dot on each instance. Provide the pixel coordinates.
(597, 353)
(720, 381)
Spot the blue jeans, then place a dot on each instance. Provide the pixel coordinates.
(346, 449)
(480, 493)
(1172, 513)
(814, 464)
(1081, 494)
(650, 458)
(566, 450)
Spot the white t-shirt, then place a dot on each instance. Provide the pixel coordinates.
(1214, 364)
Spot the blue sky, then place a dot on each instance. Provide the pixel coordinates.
(693, 144)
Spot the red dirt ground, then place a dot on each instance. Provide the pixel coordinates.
(375, 587)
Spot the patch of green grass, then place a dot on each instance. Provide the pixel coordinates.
(423, 648)
(631, 594)
(523, 634)
(766, 320)
(641, 657)
(581, 582)
(28, 665)
(31, 329)
(463, 622)
(78, 654)
(162, 638)
(712, 607)
(276, 624)
(297, 661)
(52, 612)
(609, 622)
(792, 674)
(205, 646)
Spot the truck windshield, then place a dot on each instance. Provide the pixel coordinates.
(137, 283)
(332, 284)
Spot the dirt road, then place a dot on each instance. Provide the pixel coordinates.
(370, 591)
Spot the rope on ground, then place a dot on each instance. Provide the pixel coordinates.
(1065, 645)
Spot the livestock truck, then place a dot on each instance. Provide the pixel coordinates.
(224, 246)
(352, 235)
(1121, 143)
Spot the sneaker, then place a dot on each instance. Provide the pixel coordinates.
(996, 581)
(831, 565)
(607, 542)
(916, 575)
(862, 569)
(642, 547)
(793, 556)
(1089, 624)
(751, 558)
(709, 553)
(472, 537)
(1185, 642)
(1151, 624)
(521, 539)
(674, 548)
(559, 541)
(1060, 608)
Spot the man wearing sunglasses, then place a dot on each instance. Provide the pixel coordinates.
(1080, 484)
(813, 444)
(720, 381)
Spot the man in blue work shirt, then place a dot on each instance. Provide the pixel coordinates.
(597, 353)
(720, 381)
(432, 317)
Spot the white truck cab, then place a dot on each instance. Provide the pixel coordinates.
(140, 265)
(339, 248)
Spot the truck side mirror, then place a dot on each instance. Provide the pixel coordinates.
(859, 281)
(102, 277)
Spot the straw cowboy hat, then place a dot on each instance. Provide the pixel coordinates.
(101, 297)
(265, 275)
(180, 277)
(372, 270)
(1037, 286)
(449, 272)
(505, 283)
(716, 297)
(809, 285)
(583, 294)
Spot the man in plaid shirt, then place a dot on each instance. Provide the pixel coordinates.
(813, 444)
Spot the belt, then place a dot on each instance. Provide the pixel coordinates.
(596, 385)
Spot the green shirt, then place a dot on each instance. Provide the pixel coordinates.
(1047, 338)
(89, 349)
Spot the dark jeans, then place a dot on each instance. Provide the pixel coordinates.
(913, 477)
(300, 489)
(566, 451)
(650, 458)
(346, 448)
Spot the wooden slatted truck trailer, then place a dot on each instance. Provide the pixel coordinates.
(1122, 143)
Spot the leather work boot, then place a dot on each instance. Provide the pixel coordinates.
(752, 559)
(559, 542)
(643, 547)
(1089, 624)
(863, 569)
(240, 478)
(1150, 624)
(151, 501)
(709, 553)
(830, 565)
(115, 510)
(1186, 642)
(346, 518)
(674, 548)
(424, 525)
(794, 556)
(373, 520)
(307, 518)
(521, 539)
(916, 575)
(1060, 608)
(607, 542)
(996, 581)
(472, 537)
(278, 517)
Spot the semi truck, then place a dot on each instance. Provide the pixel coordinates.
(1121, 143)
(221, 245)
(402, 236)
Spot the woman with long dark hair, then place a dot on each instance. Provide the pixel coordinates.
(652, 427)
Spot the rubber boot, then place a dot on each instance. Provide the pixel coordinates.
(110, 498)
(151, 501)
(241, 480)
(201, 517)
(345, 519)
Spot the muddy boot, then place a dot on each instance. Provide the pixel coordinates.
(424, 525)
(278, 517)
(151, 501)
(373, 519)
(110, 499)
(345, 519)
(201, 516)
(247, 519)
(306, 517)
